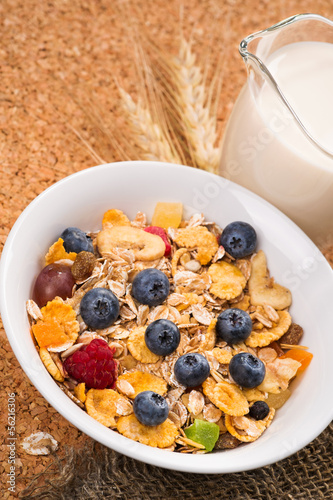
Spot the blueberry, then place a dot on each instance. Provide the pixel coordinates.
(162, 337)
(259, 410)
(76, 240)
(191, 369)
(239, 239)
(99, 308)
(247, 370)
(150, 408)
(233, 325)
(150, 287)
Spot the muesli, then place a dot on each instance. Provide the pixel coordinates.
(173, 333)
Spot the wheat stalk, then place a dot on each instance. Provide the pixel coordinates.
(149, 135)
(200, 125)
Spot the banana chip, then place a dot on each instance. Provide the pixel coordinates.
(145, 246)
(227, 280)
(137, 346)
(57, 252)
(278, 375)
(160, 436)
(50, 364)
(101, 404)
(200, 239)
(246, 429)
(115, 217)
(265, 336)
(141, 381)
(227, 397)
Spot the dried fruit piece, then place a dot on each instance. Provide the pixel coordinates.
(261, 288)
(115, 217)
(266, 336)
(200, 239)
(145, 246)
(83, 265)
(205, 433)
(57, 252)
(101, 404)
(39, 443)
(227, 442)
(159, 231)
(141, 381)
(227, 280)
(293, 335)
(137, 346)
(302, 356)
(167, 214)
(50, 365)
(59, 329)
(161, 436)
(228, 397)
(278, 374)
(246, 429)
(276, 401)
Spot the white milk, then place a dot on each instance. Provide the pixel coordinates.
(265, 151)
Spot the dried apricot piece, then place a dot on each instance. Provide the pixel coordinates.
(115, 217)
(160, 436)
(226, 396)
(227, 280)
(59, 328)
(300, 355)
(101, 404)
(200, 239)
(141, 381)
(167, 215)
(246, 429)
(57, 252)
(137, 346)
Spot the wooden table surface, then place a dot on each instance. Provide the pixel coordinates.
(60, 62)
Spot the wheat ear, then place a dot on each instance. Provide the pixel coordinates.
(201, 126)
(149, 136)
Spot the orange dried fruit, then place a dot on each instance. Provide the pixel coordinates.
(160, 436)
(227, 280)
(59, 328)
(167, 215)
(200, 239)
(141, 381)
(101, 404)
(57, 252)
(115, 217)
(300, 355)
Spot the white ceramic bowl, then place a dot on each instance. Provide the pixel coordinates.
(81, 199)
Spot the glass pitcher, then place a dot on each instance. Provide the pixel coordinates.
(279, 138)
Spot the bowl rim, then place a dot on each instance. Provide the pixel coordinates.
(158, 457)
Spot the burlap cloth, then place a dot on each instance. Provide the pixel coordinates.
(59, 107)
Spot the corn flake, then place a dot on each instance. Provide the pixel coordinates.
(57, 252)
(227, 280)
(198, 238)
(80, 392)
(101, 404)
(223, 355)
(266, 336)
(137, 346)
(160, 436)
(141, 381)
(227, 397)
(246, 429)
(50, 364)
(115, 217)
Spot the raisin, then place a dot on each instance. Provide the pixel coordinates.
(293, 335)
(83, 266)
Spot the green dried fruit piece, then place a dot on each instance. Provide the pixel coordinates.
(203, 432)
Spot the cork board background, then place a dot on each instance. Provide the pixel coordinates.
(60, 61)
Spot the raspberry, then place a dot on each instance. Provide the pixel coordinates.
(94, 365)
(159, 231)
